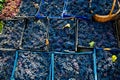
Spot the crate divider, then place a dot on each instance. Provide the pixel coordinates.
(95, 65)
(14, 67)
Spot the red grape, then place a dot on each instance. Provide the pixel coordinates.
(11, 8)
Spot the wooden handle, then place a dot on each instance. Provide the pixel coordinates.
(109, 17)
(119, 8)
(113, 6)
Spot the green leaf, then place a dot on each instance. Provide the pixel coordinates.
(1, 26)
(1, 6)
(2, 1)
(92, 43)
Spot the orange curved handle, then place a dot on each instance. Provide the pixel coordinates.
(113, 6)
(110, 16)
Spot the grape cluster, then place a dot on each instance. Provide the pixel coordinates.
(104, 6)
(11, 8)
(28, 7)
(32, 66)
(83, 8)
(6, 64)
(73, 67)
(78, 8)
(117, 68)
(11, 34)
(101, 33)
(61, 38)
(105, 66)
(52, 7)
(35, 35)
